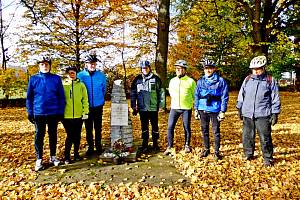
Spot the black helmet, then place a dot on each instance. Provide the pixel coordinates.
(208, 63)
(42, 59)
(73, 68)
(91, 58)
(144, 64)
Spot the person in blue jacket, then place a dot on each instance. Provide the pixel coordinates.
(147, 97)
(258, 106)
(45, 105)
(211, 98)
(95, 82)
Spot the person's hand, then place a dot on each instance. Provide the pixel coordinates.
(197, 115)
(221, 116)
(85, 117)
(274, 119)
(240, 114)
(135, 111)
(31, 118)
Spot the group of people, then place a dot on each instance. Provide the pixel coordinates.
(80, 98)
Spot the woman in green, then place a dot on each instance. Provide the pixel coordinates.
(76, 110)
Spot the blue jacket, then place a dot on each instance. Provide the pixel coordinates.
(95, 84)
(211, 94)
(45, 95)
(258, 97)
(147, 93)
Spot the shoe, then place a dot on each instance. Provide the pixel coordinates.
(249, 157)
(205, 153)
(38, 165)
(217, 157)
(89, 152)
(268, 163)
(144, 149)
(67, 161)
(187, 149)
(53, 160)
(155, 149)
(99, 152)
(77, 158)
(169, 151)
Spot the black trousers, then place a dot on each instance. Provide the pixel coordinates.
(145, 117)
(263, 127)
(40, 131)
(94, 122)
(73, 128)
(205, 118)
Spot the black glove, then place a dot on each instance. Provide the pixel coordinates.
(135, 112)
(31, 118)
(240, 113)
(273, 119)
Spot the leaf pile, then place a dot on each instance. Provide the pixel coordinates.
(229, 178)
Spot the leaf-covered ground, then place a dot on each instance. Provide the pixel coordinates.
(229, 178)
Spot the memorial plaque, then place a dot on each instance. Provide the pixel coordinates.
(119, 114)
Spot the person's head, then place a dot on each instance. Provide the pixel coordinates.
(91, 62)
(209, 67)
(71, 72)
(44, 64)
(145, 67)
(180, 67)
(257, 65)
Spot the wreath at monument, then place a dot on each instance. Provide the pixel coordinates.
(118, 151)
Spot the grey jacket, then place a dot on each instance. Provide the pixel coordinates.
(259, 97)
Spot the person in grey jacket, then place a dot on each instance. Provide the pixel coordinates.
(147, 97)
(258, 105)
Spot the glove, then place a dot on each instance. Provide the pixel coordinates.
(221, 116)
(274, 119)
(197, 115)
(240, 113)
(85, 117)
(31, 118)
(134, 111)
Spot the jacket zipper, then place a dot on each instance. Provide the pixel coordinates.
(73, 97)
(92, 91)
(179, 92)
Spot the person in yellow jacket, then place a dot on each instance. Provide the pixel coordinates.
(181, 89)
(76, 110)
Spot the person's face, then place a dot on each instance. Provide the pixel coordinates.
(91, 66)
(44, 67)
(72, 75)
(209, 70)
(258, 71)
(180, 71)
(145, 70)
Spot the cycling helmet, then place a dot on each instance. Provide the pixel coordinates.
(92, 58)
(181, 63)
(208, 63)
(144, 64)
(42, 59)
(73, 68)
(258, 62)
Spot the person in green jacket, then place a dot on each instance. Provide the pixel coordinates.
(181, 89)
(76, 110)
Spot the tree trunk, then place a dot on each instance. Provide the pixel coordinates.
(162, 41)
(2, 39)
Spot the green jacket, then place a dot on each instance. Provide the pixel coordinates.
(76, 99)
(182, 92)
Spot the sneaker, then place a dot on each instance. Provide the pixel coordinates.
(187, 149)
(268, 163)
(248, 157)
(67, 161)
(77, 158)
(205, 153)
(144, 150)
(217, 156)
(54, 161)
(155, 149)
(38, 165)
(89, 152)
(169, 151)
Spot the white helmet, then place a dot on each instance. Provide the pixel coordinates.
(181, 63)
(258, 62)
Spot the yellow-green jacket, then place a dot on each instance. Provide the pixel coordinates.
(182, 92)
(76, 99)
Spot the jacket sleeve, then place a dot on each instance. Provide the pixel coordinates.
(224, 96)
(133, 94)
(30, 98)
(61, 96)
(161, 94)
(85, 100)
(241, 95)
(275, 98)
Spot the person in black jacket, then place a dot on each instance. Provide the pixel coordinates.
(147, 97)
